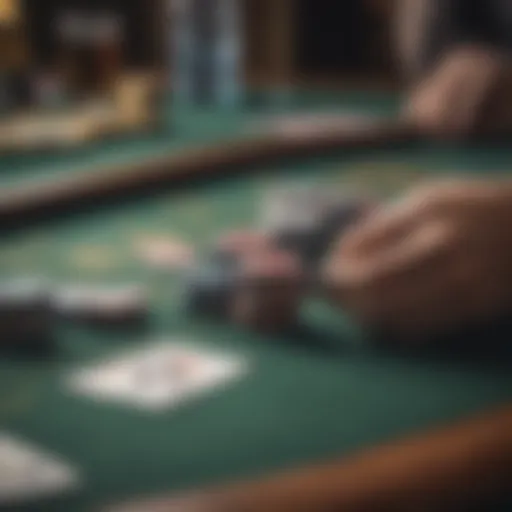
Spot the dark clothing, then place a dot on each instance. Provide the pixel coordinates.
(484, 22)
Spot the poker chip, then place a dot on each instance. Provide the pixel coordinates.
(275, 265)
(257, 278)
(26, 317)
(100, 304)
(243, 242)
(164, 253)
(210, 287)
(21, 290)
(269, 292)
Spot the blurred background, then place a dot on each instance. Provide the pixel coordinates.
(75, 71)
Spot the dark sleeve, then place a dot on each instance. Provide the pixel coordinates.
(469, 21)
(457, 22)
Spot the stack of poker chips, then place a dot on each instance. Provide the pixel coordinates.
(206, 52)
(102, 305)
(26, 315)
(307, 220)
(302, 223)
(31, 310)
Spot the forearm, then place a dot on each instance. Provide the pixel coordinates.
(426, 30)
(415, 21)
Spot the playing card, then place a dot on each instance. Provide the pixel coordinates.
(288, 206)
(301, 206)
(27, 473)
(159, 377)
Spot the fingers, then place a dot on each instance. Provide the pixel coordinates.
(374, 278)
(426, 275)
(393, 272)
(419, 248)
(430, 207)
(454, 100)
(433, 297)
(381, 228)
(433, 261)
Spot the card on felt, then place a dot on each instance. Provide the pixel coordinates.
(303, 206)
(158, 377)
(28, 473)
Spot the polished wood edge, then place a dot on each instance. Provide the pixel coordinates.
(198, 162)
(442, 470)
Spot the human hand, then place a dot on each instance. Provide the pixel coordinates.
(457, 98)
(436, 260)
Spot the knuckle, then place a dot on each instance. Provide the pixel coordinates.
(427, 198)
(435, 198)
(434, 117)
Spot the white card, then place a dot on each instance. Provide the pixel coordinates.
(159, 377)
(27, 473)
(301, 206)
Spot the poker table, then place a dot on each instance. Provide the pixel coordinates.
(326, 419)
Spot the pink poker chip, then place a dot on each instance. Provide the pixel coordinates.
(244, 242)
(269, 298)
(165, 253)
(274, 264)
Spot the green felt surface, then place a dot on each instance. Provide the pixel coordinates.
(307, 398)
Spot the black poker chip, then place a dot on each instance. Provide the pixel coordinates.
(27, 321)
(210, 287)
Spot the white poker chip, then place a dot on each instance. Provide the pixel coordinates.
(23, 296)
(22, 289)
(89, 300)
(166, 253)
